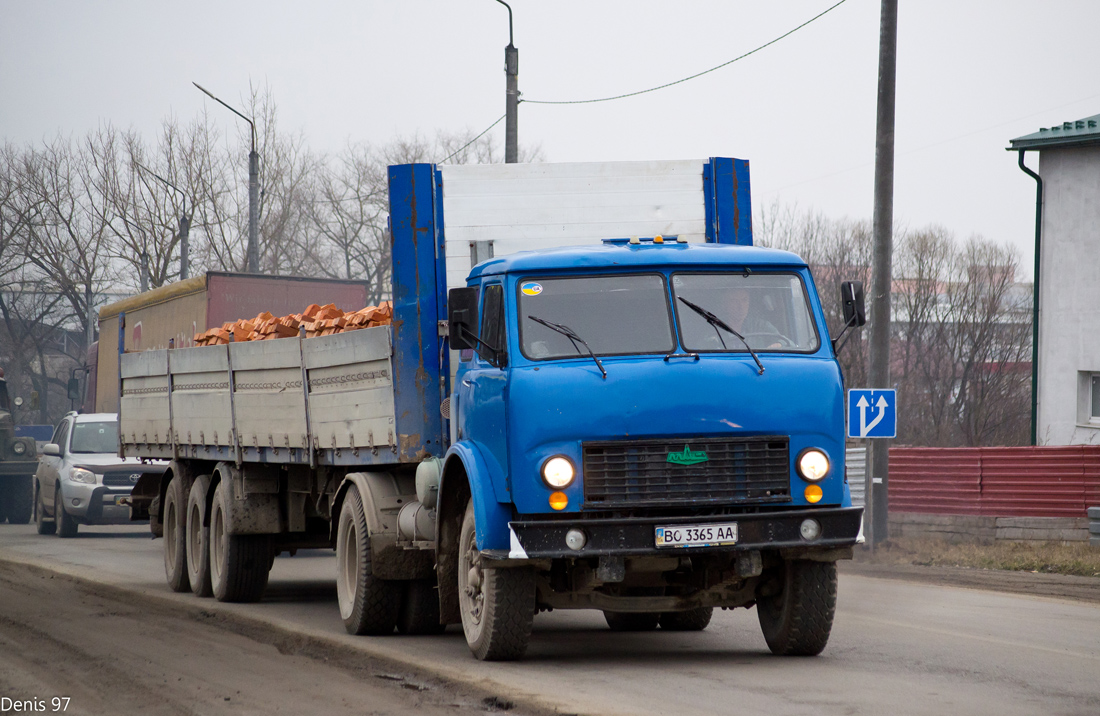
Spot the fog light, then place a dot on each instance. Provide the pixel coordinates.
(558, 500)
(810, 530)
(575, 539)
(813, 494)
(76, 502)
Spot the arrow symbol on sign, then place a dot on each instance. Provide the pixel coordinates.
(864, 426)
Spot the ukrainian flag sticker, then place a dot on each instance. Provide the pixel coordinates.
(531, 288)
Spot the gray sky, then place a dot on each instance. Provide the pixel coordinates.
(971, 75)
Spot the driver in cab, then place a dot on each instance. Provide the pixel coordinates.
(737, 314)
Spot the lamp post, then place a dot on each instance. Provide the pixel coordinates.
(185, 223)
(253, 252)
(511, 106)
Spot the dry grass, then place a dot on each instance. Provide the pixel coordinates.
(1046, 557)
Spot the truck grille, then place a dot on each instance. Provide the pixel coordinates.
(643, 473)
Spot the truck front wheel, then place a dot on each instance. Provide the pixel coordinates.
(497, 605)
(239, 564)
(368, 605)
(796, 620)
(20, 502)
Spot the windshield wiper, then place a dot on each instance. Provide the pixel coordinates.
(573, 337)
(719, 323)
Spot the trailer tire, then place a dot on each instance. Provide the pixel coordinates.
(198, 538)
(42, 525)
(368, 605)
(797, 620)
(696, 619)
(419, 612)
(239, 564)
(66, 523)
(632, 621)
(497, 605)
(20, 502)
(175, 536)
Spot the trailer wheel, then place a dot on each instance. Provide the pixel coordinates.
(632, 621)
(497, 605)
(797, 620)
(66, 523)
(198, 538)
(419, 612)
(20, 502)
(239, 564)
(368, 605)
(42, 525)
(692, 620)
(175, 536)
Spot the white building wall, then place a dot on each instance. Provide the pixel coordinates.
(1069, 301)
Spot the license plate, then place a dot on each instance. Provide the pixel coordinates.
(696, 535)
(113, 499)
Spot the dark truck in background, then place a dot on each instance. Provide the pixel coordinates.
(18, 461)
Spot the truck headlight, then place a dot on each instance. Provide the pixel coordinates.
(558, 472)
(19, 448)
(79, 474)
(812, 464)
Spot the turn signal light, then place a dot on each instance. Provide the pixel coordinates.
(559, 500)
(813, 493)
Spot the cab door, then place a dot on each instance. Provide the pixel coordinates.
(483, 391)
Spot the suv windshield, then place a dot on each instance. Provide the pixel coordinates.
(615, 315)
(100, 437)
(771, 311)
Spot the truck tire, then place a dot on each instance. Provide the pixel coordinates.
(175, 536)
(20, 502)
(66, 524)
(42, 525)
(198, 538)
(368, 605)
(692, 620)
(797, 620)
(419, 612)
(632, 621)
(497, 605)
(239, 564)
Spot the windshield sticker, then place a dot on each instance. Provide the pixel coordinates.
(531, 288)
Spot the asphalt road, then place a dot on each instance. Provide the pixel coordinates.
(897, 647)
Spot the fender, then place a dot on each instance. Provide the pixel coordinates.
(249, 513)
(492, 517)
(383, 495)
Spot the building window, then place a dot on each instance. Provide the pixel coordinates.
(1094, 413)
(1088, 398)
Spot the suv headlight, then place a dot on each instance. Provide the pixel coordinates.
(558, 472)
(79, 474)
(812, 464)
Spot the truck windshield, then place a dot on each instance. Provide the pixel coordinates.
(771, 310)
(615, 315)
(99, 437)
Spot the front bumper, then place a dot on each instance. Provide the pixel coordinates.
(18, 467)
(95, 504)
(544, 539)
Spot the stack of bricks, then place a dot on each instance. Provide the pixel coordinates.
(316, 320)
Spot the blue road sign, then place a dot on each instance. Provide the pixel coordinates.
(872, 413)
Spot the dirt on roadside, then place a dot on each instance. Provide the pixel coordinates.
(105, 653)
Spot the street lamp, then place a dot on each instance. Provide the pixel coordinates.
(511, 106)
(185, 223)
(253, 254)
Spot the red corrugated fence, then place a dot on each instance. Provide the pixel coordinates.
(996, 481)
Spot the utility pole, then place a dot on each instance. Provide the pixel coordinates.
(882, 235)
(252, 257)
(511, 107)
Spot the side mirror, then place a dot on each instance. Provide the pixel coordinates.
(74, 388)
(461, 317)
(852, 303)
(52, 449)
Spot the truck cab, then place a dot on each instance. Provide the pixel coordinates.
(651, 428)
(18, 460)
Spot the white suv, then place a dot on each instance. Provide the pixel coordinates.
(81, 479)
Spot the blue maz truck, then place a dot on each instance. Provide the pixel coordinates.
(650, 423)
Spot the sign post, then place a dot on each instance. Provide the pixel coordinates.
(872, 414)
